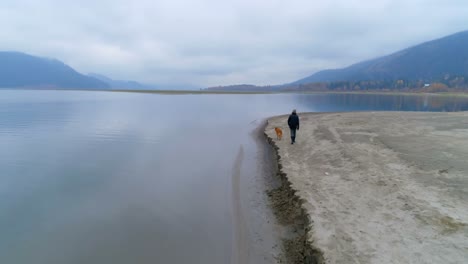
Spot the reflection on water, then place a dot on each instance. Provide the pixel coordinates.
(93, 177)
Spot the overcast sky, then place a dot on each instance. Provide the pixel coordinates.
(213, 42)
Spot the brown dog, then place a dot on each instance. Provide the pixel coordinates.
(279, 133)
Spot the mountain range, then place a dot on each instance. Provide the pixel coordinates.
(443, 59)
(22, 70)
(427, 61)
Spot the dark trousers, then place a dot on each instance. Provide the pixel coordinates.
(293, 134)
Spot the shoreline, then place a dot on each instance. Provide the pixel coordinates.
(207, 92)
(373, 190)
(289, 212)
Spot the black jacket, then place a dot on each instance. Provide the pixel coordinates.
(293, 121)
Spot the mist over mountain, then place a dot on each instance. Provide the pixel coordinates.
(427, 61)
(121, 84)
(22, 70)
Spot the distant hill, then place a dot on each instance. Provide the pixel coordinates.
(23, 70)
(133, 85)
(428, 61)
(121, 84)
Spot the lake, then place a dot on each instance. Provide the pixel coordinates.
(107, 177)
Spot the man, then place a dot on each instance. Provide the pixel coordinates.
(293, 123)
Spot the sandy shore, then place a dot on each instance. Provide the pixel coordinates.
(381, 187)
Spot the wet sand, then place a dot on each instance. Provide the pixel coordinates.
(269, 225)
(257, 235)
(379, 187)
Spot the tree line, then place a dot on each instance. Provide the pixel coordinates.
(447, 83)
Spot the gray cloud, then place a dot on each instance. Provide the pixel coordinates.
(208, 42)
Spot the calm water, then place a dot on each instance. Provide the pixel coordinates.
(98, 177)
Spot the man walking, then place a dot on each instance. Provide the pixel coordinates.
(293, 123)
